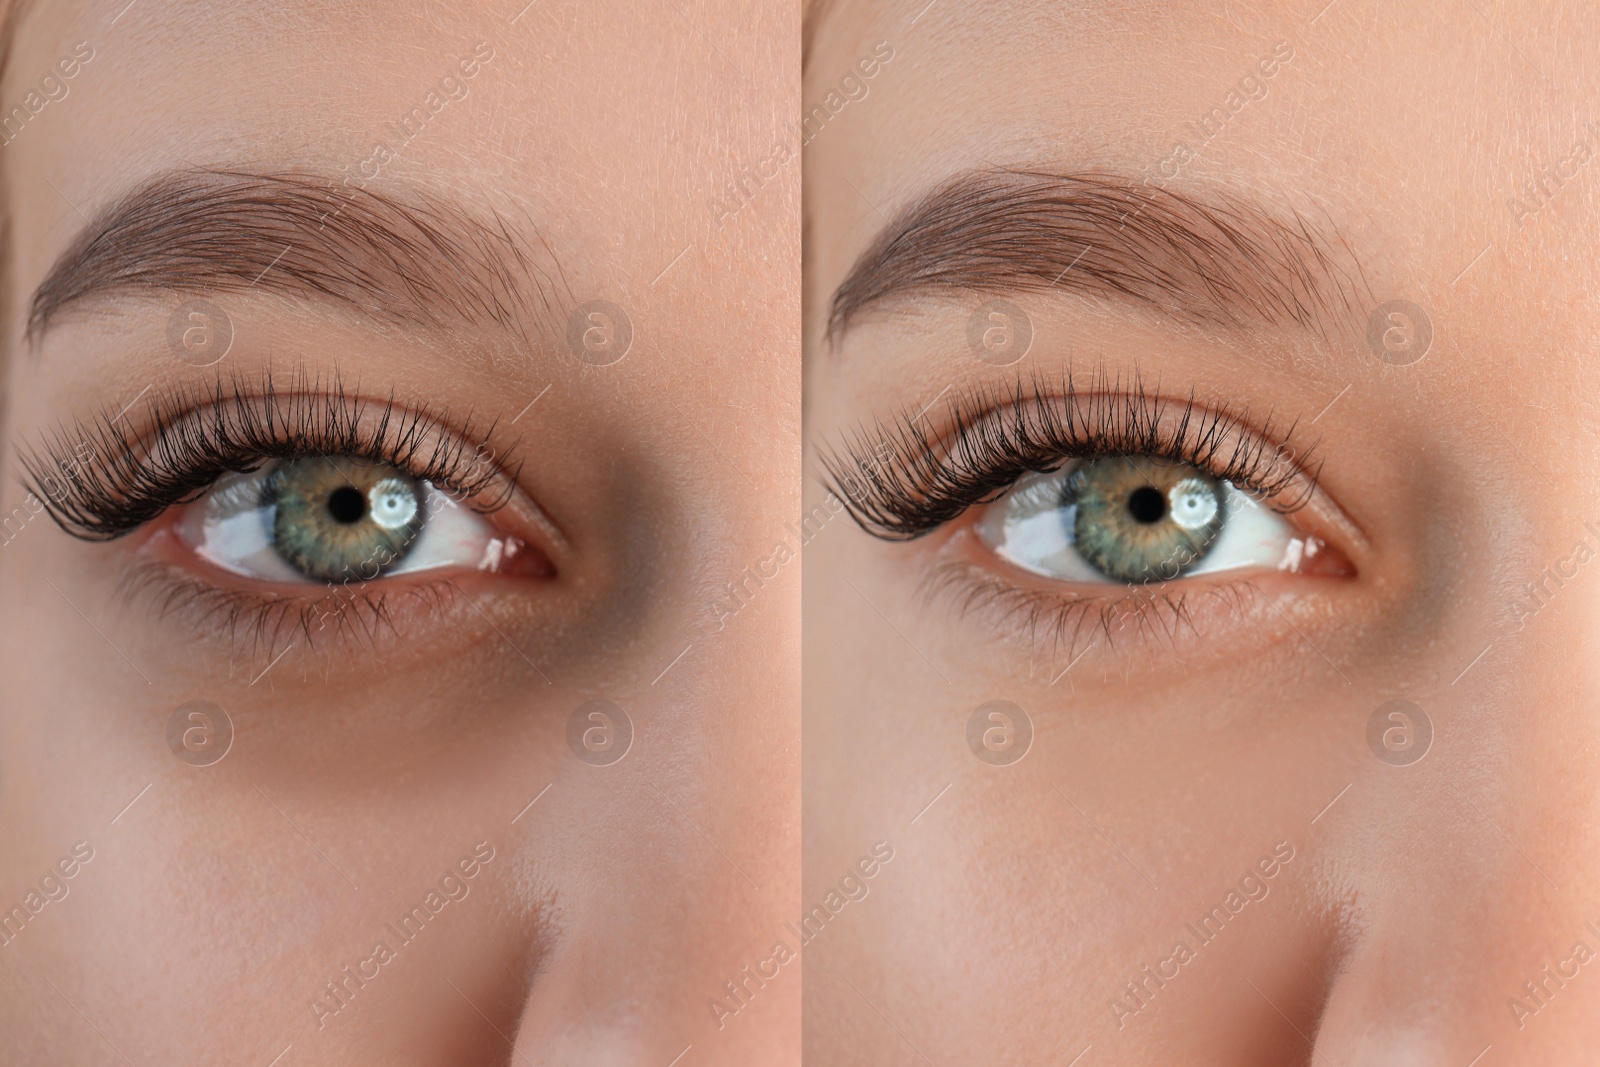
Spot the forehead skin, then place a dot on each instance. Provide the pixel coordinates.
(269, 84)
(1410, 129)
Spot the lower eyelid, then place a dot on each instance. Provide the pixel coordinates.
(337, 629)
(1108, 627)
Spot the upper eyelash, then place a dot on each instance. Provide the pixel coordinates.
(904, 479)
(194, 435)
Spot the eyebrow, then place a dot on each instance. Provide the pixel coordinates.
(418, 260)
(1217, 260)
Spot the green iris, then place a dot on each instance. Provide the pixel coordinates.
(1143, 519)
(337, 519)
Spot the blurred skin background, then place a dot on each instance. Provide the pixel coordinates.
(1384, 897)
(408, 752)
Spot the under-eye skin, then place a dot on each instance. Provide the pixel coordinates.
(259, 503)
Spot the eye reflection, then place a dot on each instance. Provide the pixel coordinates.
(1134, 519)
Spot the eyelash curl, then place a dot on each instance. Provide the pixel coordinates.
(904, 479)
(103, 480)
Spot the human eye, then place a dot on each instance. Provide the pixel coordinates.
(338, 519)
(1137, 519)
(1059, 500)
(1129, 519)
(258, 505)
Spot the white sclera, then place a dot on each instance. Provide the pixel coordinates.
(231, 528)
(1030, 528)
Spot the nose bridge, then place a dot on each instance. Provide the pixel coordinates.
(1471, 919)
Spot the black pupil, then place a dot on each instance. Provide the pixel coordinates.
(1147, 504)
(347, 505)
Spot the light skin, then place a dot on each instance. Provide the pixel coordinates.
(373, 756)
(1173, 753)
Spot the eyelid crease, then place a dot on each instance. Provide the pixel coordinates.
(903, 480)
(196, 434)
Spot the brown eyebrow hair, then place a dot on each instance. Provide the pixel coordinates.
(420, 260)
(1218, 260)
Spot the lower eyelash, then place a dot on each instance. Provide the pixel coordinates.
(1061, 628)
(196, 435)
(259, 628)
(905, 479)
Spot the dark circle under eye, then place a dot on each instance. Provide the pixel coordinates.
(1139, 519)
(335, 519)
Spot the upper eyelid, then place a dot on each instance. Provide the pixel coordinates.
(882, 501)
(120, 491)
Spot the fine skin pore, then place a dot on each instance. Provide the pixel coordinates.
(378, 759)
(1183, 761)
